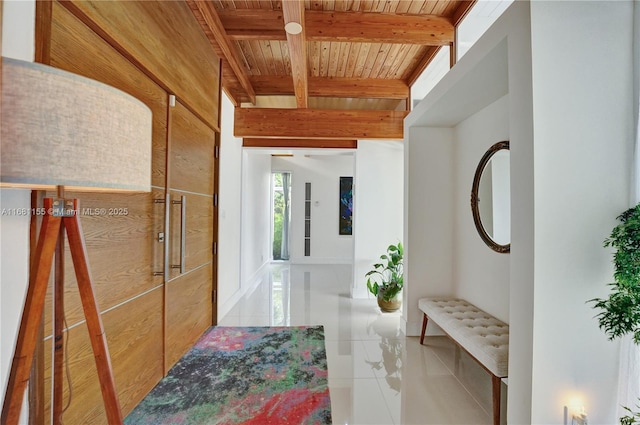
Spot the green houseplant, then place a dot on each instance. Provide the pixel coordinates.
(630, 419)
(620, 312)
(386, 279)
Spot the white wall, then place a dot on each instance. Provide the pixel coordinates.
(429, 218)
(323, 172)
(583, 126)
(483, 14)
(18, 41)
(378, 206)
(446, 256)
(18, 29)
(14, 271)
(230, 201)
(517, 25)
(255, 214)
(570, 127)
(480, 275)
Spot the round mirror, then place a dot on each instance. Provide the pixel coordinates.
(491, 198)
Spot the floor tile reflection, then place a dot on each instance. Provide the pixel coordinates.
(376, 374)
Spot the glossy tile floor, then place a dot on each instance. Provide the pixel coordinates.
(376, 374)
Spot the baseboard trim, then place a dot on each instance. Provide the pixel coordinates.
(411, 328)
(246, 287)
(320, 260)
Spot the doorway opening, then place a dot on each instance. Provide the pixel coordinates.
(281, 195)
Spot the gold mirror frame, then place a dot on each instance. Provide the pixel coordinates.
(503, 249)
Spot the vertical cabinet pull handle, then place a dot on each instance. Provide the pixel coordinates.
(161, 239)
(167, 235)
(183, 232)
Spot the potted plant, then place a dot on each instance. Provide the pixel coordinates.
(386, 279)
(620, 312)
(630, 419)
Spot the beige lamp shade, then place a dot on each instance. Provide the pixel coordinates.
(61, 129)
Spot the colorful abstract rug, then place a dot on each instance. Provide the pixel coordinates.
(250, 375)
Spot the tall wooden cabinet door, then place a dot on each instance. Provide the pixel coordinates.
(189, 289)
(119, 230)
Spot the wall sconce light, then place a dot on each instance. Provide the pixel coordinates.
(574, 414)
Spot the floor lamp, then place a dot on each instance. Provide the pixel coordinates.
(60, 130)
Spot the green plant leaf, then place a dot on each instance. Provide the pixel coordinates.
(620, 312)
(386, 277)
(373, 288)
(632, 418)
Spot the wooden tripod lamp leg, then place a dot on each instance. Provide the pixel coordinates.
(92, 315)
(58, 330)
(31, 316)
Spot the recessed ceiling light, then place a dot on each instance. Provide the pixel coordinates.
(293, 28)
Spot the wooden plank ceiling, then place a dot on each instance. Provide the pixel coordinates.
(347, 71)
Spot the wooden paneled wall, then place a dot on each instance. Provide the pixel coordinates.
(150, 320)
(162, 38)
(190, 180)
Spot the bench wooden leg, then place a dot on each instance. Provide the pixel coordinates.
(424, 327)
(496, 383)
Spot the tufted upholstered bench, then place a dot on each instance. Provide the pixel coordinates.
(484, 337)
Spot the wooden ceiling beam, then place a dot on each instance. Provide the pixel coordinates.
(274, 85)
(370, 88)
(367, 88)
(319, 123)
(462, 11)
(428, 30)
(252, 142)
(422, 65)
(206, 14)
(253, 24)
(258, 20)
(258, 24)
(293, 12)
